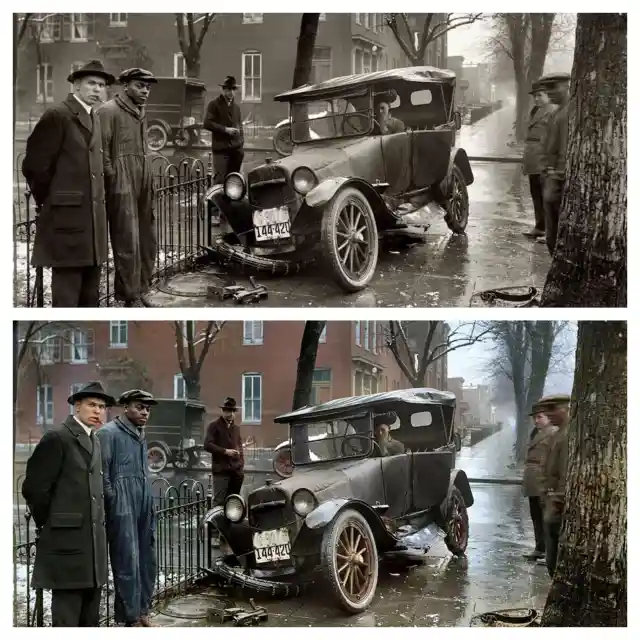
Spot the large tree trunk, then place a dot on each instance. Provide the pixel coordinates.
(307, 362)
(590, 584)
(302, 70)
(192, 387)
(589, 267)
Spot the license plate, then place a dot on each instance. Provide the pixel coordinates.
(272, 224)
(270, 546)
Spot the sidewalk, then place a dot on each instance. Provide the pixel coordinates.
(491, 135)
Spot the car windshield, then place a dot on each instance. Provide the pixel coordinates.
(331, 440)
(326, 119)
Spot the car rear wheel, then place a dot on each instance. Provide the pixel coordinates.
(157, 459)
(181, 460)
(157, 137)
(350, 240)
(349, 561)
(457, 524)
(457, 205)
(282, 464)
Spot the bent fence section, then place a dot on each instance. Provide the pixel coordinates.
(179, 188)
(181, 550)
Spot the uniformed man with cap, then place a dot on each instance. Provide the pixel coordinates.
(63, 489)
(128, 183)
(555, 152)
(129, 508)
(556, 407)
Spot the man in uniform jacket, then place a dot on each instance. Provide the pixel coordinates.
(64, 492)
(129, 187)
(532, 161)
(129, 507)
(224, 120)
(555, 152)
(533, 480)
(555, 473)
(63, 167)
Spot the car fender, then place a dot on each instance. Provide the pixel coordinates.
(459, 157)
(458, 479)
(327, 190)
(163, 123)
(163, 445)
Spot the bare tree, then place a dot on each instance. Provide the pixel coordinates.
(307, 362)
(192, 348)
(432, 341)
(435, 26)
(190, 40)
(589, 267)
(589, 587)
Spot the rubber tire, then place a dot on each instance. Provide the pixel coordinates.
(156, 125)
(275, 466)
(283, 132)
(451, 544)
(455, 225)
(329, 567)
(182, 464)
(328, 239)
(162, 450)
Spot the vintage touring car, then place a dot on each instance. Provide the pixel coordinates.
(348, 502)
(346, 187)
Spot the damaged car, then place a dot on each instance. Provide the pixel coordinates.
(381, 483)
(347, 188)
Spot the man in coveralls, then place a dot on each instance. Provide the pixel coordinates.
(129, 509)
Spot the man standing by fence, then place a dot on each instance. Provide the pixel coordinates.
(63, 167)
(224, 120)
(129, 186)
(64, 492)
(129, 507)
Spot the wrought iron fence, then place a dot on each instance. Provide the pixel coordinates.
(181, 228)
(181, 551)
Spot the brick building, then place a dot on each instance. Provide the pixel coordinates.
(257, 48)
(253, 361)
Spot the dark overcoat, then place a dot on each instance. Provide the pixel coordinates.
(63, 168)
(64, 490)
(533, 158)
(220, 116)
(533, 479)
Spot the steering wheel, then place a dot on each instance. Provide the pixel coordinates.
(347, 449)
(347, 120)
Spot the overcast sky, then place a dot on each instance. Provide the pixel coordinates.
(470, 41)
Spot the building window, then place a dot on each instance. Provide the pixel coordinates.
(374, 22)
(44, 404)
(79, 27)
(374, 337)
(252, 397)
(118, 19)
(358, 18)
(366, 61)
(365, 20)
(323, 336)
(78, 345)
(321, 386)
(74, 389)
(366, 345)
(179, 387)
(321, 64)
(358, 342)
(74, 66)
(252, 18)
(179, 66)
(357, 383)
(252, 332)
(49, 30)
(119, 334)
(252, 76)
(49, 349)
(44, 83)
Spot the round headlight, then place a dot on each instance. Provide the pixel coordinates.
(304, 502)
(234, 508)
(234, 186)
(304, 180)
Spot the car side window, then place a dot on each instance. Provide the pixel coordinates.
(422, 97)
(421, 419)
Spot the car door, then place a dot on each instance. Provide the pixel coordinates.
(396, 158)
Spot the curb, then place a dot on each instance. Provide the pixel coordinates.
(499, 481)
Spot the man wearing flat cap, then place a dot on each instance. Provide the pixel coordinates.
(532, 161)
(63, 166)
(129, 508)
(224, 120)
(224, 442)
(533, 480)
(129, 187)
(556, 407)
(64, 492)
(554, 152)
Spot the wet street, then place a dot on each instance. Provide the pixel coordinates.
(447, 270)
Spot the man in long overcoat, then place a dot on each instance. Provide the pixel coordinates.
(129, 187)
(224, 120)
(533, 480)
(64, 170)
(533, 158)
(63, 489)
(129, 507)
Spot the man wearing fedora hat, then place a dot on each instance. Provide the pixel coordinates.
(224, 120)
(224, 442)
(129, 187)
(63, 166)
(129, 508)
(64, 492)
(532, 161)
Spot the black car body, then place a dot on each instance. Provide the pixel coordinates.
(288, 531)
(346, 186)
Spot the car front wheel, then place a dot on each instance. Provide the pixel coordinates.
(350, 239)
(457, 524)
(457, 205)
(349, 561)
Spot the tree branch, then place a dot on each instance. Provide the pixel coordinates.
(181, 34)
(393, 25)
(212, 331)
(177, 326)
(208, 21)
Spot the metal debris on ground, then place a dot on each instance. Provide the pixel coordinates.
(506, 618)
(229, 289)
(240, 617)
(507, 297)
